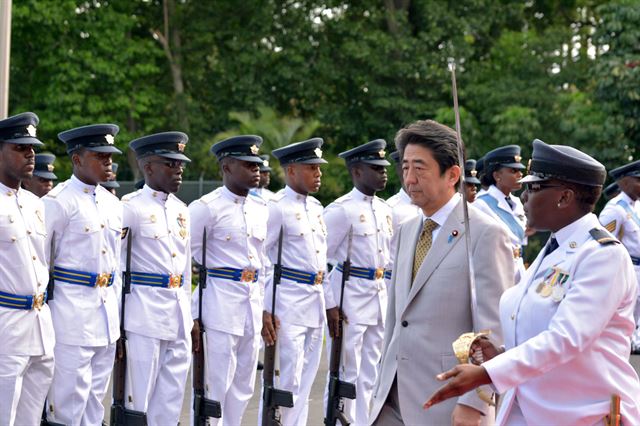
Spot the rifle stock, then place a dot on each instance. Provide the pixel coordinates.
(202, 407)
(272, 397)
(120, 415)
(339, 389)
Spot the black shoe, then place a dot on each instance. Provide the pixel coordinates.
(260, 366)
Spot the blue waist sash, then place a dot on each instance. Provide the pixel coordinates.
(88, 279)
(15, 301)
(242, 275)
(157, 280)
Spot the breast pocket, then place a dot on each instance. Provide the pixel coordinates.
(259, 232)
(84, 236)
(153, 231)
(13, 245)
(364, 230)
(297, 230)
(229, 237)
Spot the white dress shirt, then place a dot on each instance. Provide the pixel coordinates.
(23, 272)
(87, 223)
(159, 228)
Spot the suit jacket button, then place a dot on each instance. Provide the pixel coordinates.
(405, 323)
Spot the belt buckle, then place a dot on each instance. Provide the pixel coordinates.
(319, 277)
(248, 275)
(379, 273)
(38, 301)
(102, 280)
(174, 281)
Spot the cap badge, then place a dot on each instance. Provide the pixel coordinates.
(517, 158)
(31, 130)
(109, 139)
(265, 163)
(382, 153)
(181, 147)
(50, 167)
(473, 173)
(318, 152)
(254, 149)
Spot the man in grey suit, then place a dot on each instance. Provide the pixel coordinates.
(429, 296)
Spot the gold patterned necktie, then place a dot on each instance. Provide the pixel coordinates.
(424, 244)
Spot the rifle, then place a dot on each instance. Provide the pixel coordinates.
(202, 407)
(339, 389)
(273, 398)
(120, 415)
(52, 253)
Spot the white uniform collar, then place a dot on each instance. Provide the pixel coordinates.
(565, 233)
(355, 192)
(83, 187)
(440, 217)
(294, 195)
(238, 199)
(497, 194)
(10, 191)
(156, 195)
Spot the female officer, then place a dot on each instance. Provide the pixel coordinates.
(503, 171)
(567, 325)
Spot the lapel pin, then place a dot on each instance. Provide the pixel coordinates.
(454, 234)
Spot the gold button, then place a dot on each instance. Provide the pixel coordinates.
(156, 236)
(169, 231)
(102, 225)
(13, 239)
(301, 234)
(86, 191)
(250, 257)
(174, 254)
(313, 229)
(9, 193)
(11, 219)
(20, 205)
(155, 194)
(28, 232)
(513, 316)
(33, 257)
(379, 250)
(248, 235)
(228, 238)
(317, 251)
(87, 229)
(104, 251)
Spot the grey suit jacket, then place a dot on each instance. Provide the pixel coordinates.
(425, 316)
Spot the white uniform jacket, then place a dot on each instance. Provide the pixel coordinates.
(23, 272)
(159, 227)
(87, 223)
(304, 248)
(364, 299)
(236, 232)
(621, 217)
(263, 193)
(514, 221)
(569, 352)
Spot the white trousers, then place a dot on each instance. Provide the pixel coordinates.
(231, 371)
(80, 383)
(299, 353)
(361, 352)
(158, 374)
(24, 382)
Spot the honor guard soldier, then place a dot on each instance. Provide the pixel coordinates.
(365, 293)
(158, 314)
(503, 170)
(484, 184)
(471, 180)
(85, 222)
(235, 221)
(42, 180)
(621, 217)
(112, 183)
(26, 329)
(300, 305)
(265, 179)
(401, 206)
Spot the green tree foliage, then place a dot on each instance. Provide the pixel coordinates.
(562, 71)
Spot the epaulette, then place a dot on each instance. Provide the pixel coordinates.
(603, 237)
(131, 195)
(207, 198)
(57, 189)
(178, 200)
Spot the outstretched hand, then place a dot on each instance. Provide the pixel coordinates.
(464, 378)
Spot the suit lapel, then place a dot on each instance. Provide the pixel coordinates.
(441, 246)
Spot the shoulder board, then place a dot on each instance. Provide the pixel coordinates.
(177, 200)
(131, 195)
(207, 198)
(57, 189)
(603, 237)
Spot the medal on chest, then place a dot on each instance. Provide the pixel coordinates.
(182, 223)
(553, 284)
